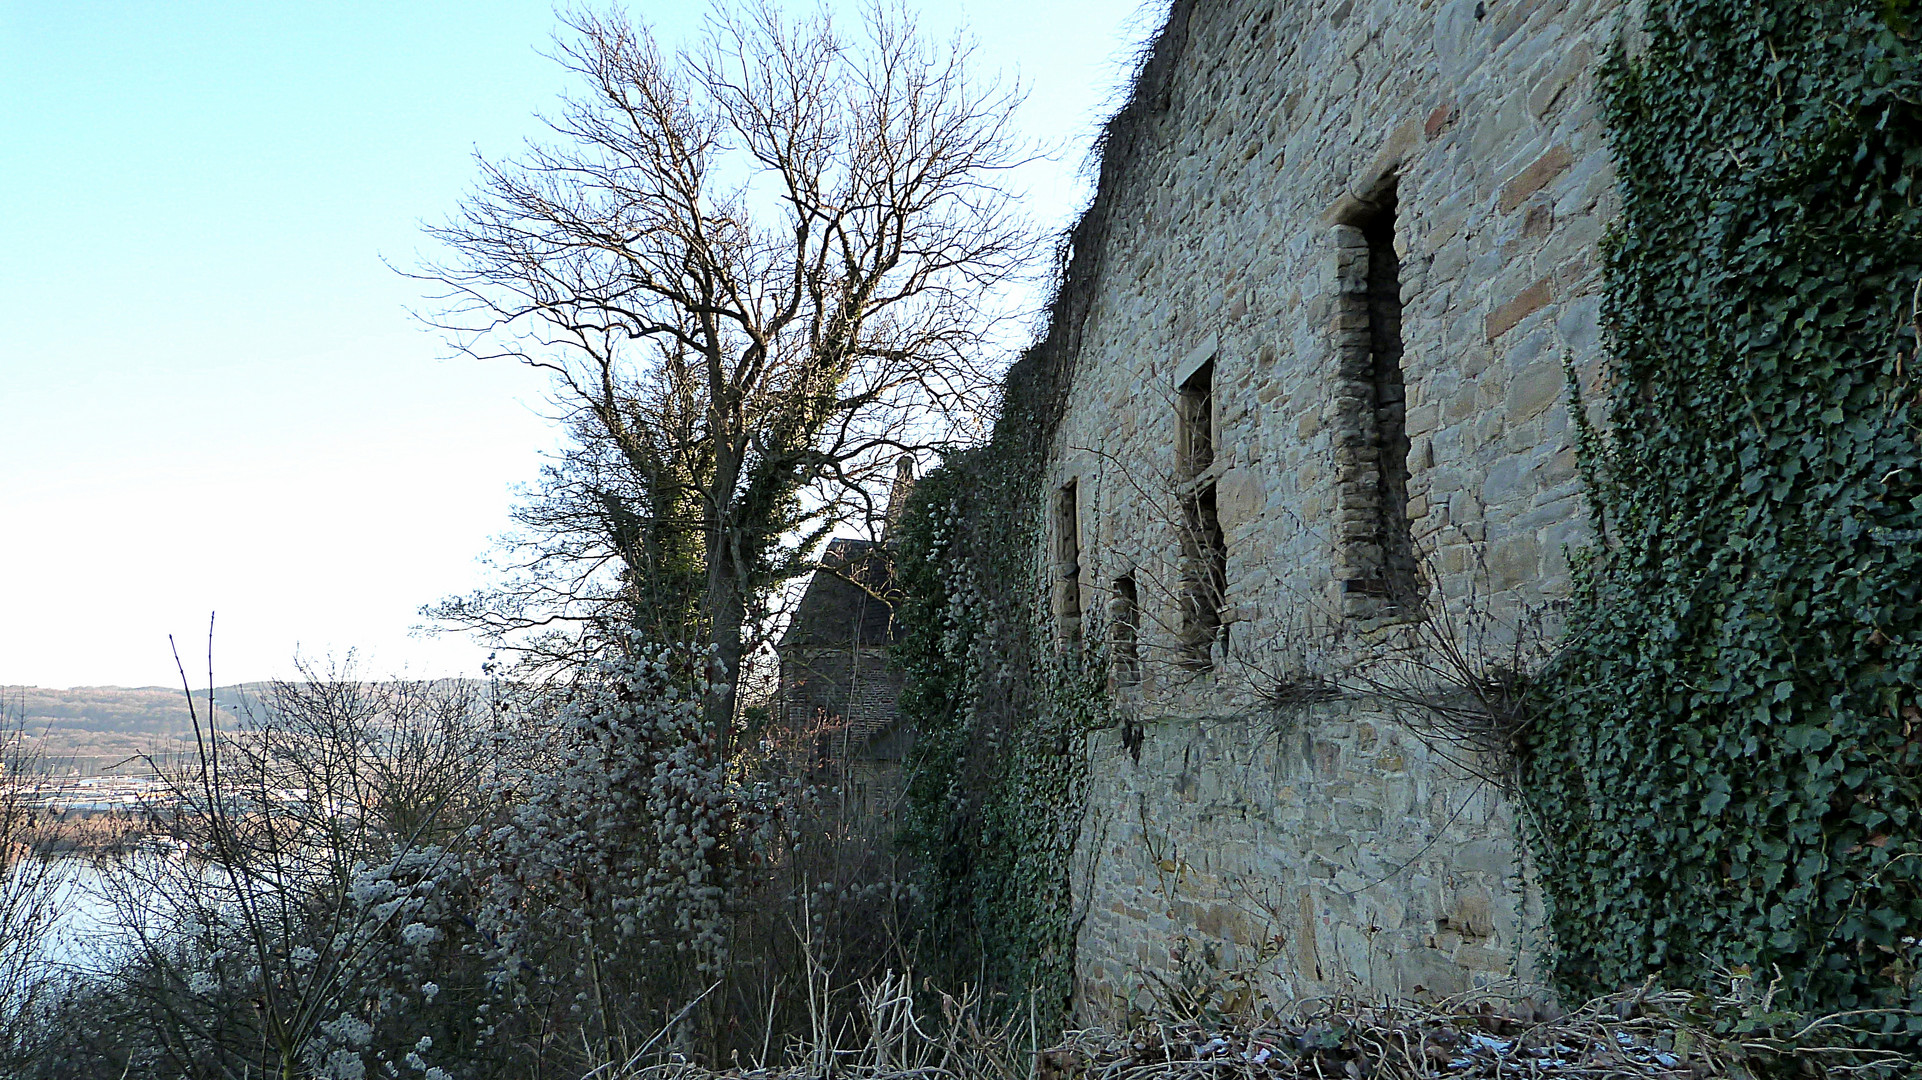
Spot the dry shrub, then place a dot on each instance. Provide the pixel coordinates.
(1645, 1034)
(898, 1030)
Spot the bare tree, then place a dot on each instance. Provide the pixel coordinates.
(757, 272)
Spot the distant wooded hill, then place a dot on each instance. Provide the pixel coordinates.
(89, 729)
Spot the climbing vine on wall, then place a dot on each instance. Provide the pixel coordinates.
(997, 776)
(997, 780)
(1728, 770)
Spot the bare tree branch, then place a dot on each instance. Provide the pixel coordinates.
(756, 272)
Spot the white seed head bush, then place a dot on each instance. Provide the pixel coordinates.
(624, 834)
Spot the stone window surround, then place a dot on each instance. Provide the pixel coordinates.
(1375, 564)
(1068, 561)
(1124, 622)
(1203, 544)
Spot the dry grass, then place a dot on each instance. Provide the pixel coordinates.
(1650, 1033)
(900, 1032)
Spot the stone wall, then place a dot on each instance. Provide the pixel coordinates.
(847, 695)
(1316, 850)
(1287, 131)
(841, 703)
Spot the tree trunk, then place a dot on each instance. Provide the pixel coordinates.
(725, 602)
(727, 616)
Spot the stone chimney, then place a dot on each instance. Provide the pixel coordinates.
(898, 494)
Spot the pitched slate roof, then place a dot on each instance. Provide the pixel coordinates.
(844, 602)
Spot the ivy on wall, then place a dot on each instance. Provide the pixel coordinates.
(997, 779)
(997, 775)
(1728, 767)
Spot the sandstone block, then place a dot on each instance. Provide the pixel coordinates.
(1484, 856)
(1484, 959)
(1513, 560)
(1579, 323)
(1536, 388)
(1428, 972)
(1532, 299)
(1536, 176)
(1552, 90)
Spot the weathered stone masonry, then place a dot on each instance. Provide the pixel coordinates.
(838, 694)
(1376, 458)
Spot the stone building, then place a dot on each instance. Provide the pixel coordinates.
(838, 691)
(1318, 452)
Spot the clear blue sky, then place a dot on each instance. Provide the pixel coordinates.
(212, 397)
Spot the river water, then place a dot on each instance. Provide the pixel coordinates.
(97, 904)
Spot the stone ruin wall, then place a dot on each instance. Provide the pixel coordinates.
(1324, 844)
(845, 701)
(849, 688)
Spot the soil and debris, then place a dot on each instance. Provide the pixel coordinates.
(1739, 1032)
(1647, 1034)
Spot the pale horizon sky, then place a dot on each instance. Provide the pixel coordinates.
(212, 396)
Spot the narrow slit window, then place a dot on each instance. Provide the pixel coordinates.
(1197, 407)
(1125, 616)
(1068, 562)
(1380, 572)
(1204, 548)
